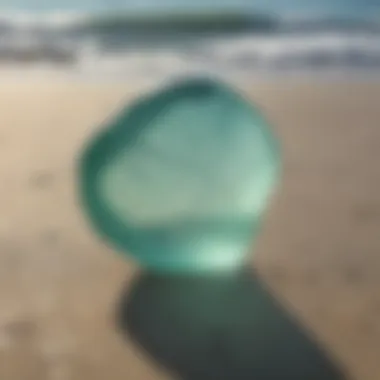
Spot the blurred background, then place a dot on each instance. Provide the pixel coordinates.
(68, 66)
(155, 39)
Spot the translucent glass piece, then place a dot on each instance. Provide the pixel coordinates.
(181, 179)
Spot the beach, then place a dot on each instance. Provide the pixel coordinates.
(60, 285)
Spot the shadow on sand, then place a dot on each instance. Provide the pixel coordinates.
(220, 328)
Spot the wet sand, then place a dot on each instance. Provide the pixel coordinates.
(319, 251)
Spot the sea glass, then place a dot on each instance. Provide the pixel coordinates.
(180, 179)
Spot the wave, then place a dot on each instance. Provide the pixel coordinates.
(18, 19)
(212, 20)
(139, 22)
(216, 42)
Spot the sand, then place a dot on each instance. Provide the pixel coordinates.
(319, 251)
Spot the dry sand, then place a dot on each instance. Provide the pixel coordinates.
(319, 251)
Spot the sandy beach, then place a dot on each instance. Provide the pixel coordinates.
(60, 284)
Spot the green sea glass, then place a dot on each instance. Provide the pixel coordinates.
(181, 179)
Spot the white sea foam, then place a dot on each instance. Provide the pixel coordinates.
(247, 54)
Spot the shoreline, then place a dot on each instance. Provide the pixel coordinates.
(74, 75)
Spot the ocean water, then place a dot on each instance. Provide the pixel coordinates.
(224, 44)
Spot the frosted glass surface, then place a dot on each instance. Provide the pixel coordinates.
(180, 179)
